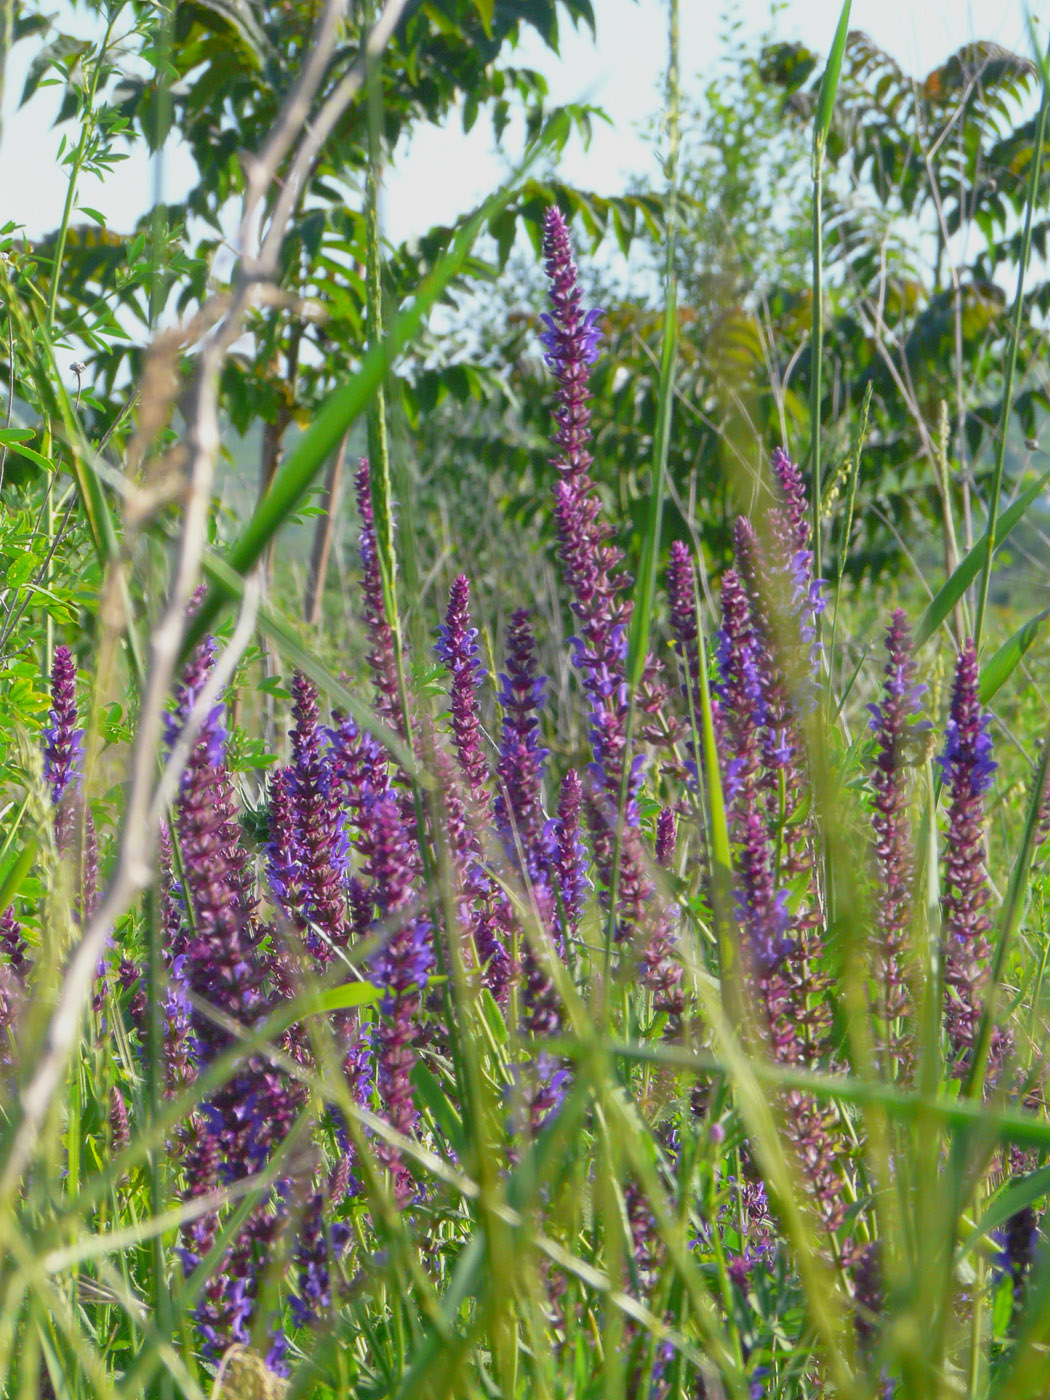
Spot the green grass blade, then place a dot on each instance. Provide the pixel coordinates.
(15, 877)
(821, 126)
(998, 670)
(345, 404)
(1011, 1197)
(1009, 918)
(1004, 1125)
(953, 588)
(829, 85)
(991, 537)
(641, 620)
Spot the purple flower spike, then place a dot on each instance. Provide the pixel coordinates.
(13, 945)
(212, 735)
(794, 493)
(402, 969)
(661, 971)
(519, 802)
(120, 1134)
(570, 862)
(458, 649)
(893, 722)
(283, 858)
(320, 842)
(783, 601)
(867, 1292)
(63, 741)
(966, 768)
(319, 1242)
(666, 837)
(593, 572)
(382, 656)
(571, 341)
(358, 767)
(681, 595)
(740, 690)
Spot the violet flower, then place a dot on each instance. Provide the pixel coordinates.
(119, 1133)
(13, 945)
(283, 858)
(967, 767)
(592, 566)
(661, 970)
(570, 858)
(894, 725)
(319, 1243)
(64, 742)
(571, 341)
(223, 964)
(358, 767)
(1018, 1240)
(321, 846)
(482, 903)
(789, 527)
(784, 600)
(868, 1296)
(382, 655)
(681, 597)
(780, 975)
(457, 648)
(519, 812)
(402, 968)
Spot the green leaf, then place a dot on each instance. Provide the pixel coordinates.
(486, 11)
(346, 997)
(20, 450)
(21, 570)
(998, 670)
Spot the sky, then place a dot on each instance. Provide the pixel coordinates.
(443, 173)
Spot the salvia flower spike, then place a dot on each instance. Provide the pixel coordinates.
(967, 767)
(896, 729)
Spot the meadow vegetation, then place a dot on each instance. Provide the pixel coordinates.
(574, 924)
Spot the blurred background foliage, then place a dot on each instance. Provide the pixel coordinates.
(923, 195)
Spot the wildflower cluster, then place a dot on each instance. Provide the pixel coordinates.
(390, 975)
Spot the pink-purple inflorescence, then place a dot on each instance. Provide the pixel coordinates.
(967, 767)
(514, 867)
(599, 589)
(897, 729)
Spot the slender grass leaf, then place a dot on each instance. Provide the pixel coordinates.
(15, 877)
(829, 85)
(441, 1107)
(993, 534)
(1011, 1197)
(344, 405)
(1003, 1125)
(997, 671)
(952, 590)
(344, 998)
